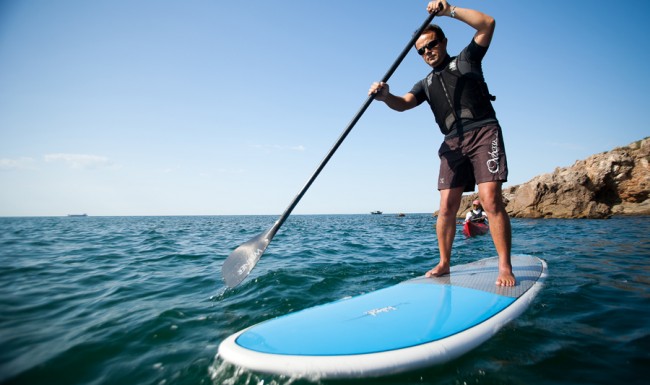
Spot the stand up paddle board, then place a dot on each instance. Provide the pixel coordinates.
(414, 324)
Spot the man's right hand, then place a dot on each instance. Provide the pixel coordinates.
(380, 90)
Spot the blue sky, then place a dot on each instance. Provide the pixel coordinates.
(217, 107)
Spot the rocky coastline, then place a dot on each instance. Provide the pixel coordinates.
(611, 183)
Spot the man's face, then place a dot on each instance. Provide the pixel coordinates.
(433, 51)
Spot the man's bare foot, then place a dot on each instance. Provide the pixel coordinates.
(506, 278)
(438, 271)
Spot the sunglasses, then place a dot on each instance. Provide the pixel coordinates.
(430, 45)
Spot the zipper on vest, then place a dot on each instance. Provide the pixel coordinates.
(444, 88)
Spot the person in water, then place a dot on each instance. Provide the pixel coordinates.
(476, 214)
(472, 152)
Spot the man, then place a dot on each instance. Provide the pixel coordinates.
(476, 214)
(472, 151)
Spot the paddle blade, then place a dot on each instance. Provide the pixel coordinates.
(243, 259)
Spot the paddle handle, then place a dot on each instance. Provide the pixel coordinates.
(347, 130)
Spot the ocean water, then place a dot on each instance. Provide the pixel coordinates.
(139, 300)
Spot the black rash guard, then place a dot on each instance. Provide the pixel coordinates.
(457, 92)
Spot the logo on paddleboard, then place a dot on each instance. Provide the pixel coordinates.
(375, 312)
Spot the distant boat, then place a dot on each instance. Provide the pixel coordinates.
(77, 215)
(376, 212)
(401, 215)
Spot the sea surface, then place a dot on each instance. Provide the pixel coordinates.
(140, 300)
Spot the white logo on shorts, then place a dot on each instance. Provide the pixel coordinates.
(493, 162)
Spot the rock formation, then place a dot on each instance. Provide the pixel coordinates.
(611, 183)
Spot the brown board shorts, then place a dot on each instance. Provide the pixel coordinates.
(476, 157)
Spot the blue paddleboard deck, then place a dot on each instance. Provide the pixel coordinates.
(419, 322)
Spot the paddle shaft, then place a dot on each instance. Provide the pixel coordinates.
(244, 258)
(347, 130)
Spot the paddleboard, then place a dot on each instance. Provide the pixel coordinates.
(411, 325)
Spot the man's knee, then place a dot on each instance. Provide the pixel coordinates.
(450, 202)
(446, 211)
(491, 197)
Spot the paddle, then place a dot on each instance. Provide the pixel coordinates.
(244, 258)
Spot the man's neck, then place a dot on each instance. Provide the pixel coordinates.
(443, 64)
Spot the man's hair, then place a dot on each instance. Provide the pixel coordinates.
(435, 29)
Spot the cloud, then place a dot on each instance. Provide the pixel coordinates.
(22, 163)
(231, 170)
(80, 161)
(170, 170)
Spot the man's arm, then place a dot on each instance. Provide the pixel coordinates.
(482, 23)
(397, 103)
